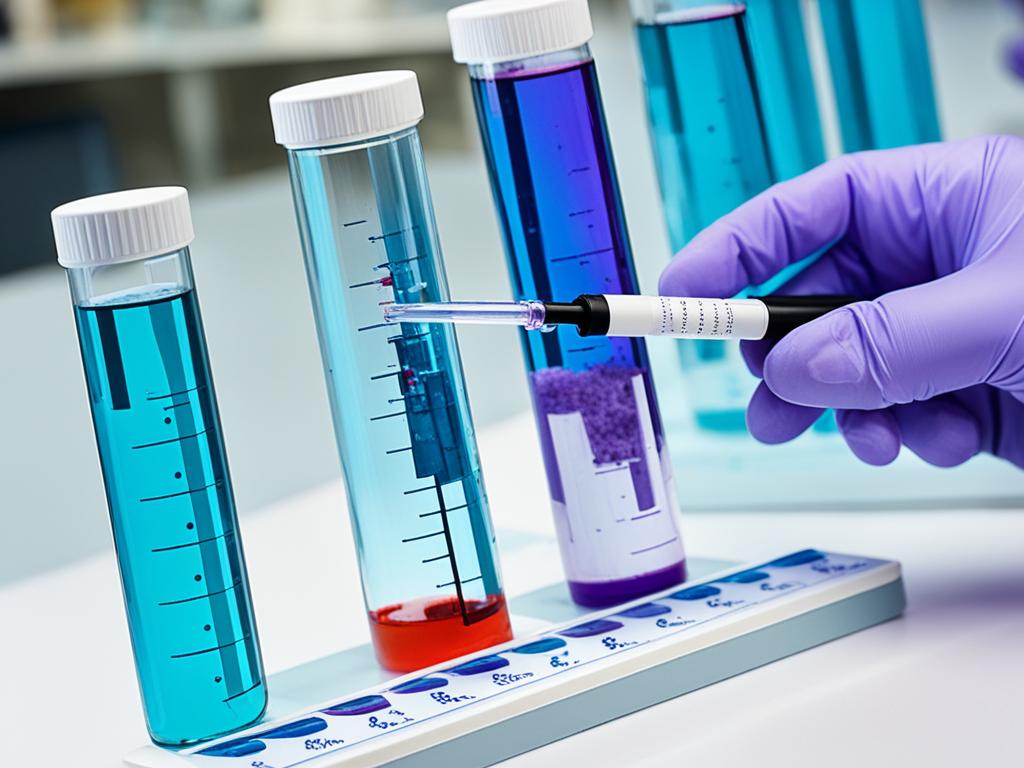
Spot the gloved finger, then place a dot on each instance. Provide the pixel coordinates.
(774, 229)
(873, 436)
(908, 345)
(824, 276)
(1000, 417)
(842, 269)
(870, 199)
(754, 353)
(941, 431)
(771, 420)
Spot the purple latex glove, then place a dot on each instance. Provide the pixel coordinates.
(936, 361)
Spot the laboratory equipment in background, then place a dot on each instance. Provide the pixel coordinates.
(680, 317)
(540, 114)
(881, 73)
(159, 438)
(711, 153)
(419, 510)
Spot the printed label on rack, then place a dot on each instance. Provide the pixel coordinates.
(451, 692)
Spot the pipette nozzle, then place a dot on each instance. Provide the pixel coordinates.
(529, 314)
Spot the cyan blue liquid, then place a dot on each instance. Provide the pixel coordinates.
(401, 416)
(173, 516)
(881, 73)
(558, 199)
(709, 140)
(728, 118)
(785, 85)
(711, 152)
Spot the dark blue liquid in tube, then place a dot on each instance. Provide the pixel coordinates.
(557, 196)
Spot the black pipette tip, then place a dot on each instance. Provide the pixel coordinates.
(589, 313)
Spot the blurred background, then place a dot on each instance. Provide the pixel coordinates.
(97, 95)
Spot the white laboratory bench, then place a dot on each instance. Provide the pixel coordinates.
(939, 686)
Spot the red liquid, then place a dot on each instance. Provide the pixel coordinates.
(428, 630)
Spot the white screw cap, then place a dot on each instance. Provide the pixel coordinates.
(343, 109)
(493, 31)
(122, 226)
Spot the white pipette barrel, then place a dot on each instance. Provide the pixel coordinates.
(679, 317)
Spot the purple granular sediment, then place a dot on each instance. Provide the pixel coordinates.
(604, 396)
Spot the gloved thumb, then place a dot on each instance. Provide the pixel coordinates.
(907, 345)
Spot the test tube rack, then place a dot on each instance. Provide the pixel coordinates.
(515, 697)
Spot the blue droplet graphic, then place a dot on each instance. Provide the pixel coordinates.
(700, 592)
(302, 727)
(745, 577)
(420, 684)
(234, 748)
(797, 558)
(544, 645)
(644, 611)
(361, 706)
(479, 666)
(590, 628)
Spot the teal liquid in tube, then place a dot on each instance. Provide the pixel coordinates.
(162, 454)
(712, 155)
(782, 69)
(401, 416)
(881, 73)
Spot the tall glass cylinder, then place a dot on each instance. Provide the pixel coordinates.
(881, 73)
(557, 196)
(712, 155)
(401, 417)
(782, 68)
(162, 454)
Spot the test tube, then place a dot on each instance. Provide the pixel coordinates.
(712, 155)
(609, 474)
(419, 509)
(162, 454)
(881, 74)
(782, 68)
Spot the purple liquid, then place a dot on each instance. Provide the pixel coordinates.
(605, 593)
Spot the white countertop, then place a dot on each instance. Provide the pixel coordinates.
(938, 686)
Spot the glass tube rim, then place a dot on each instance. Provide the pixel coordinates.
(358, 144)
(659, 12)
(81, 277)
(541, 64)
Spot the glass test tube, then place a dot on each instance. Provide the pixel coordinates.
(551, 169)
(881, 74)
(789, 106)
(419, 510)
(712, 155)
(166, 475)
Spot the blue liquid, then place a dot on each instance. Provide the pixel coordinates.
(711, 151)
(401, 416)
(878, 55)
(173, 516)
(558, 199)
(785, 86)
(706, 124)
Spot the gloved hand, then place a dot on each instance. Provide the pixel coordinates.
(934, 234)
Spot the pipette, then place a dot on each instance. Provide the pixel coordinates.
(680, 317)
